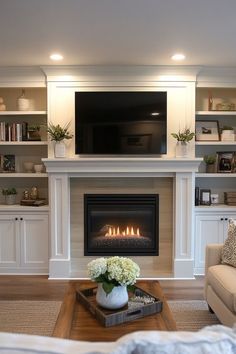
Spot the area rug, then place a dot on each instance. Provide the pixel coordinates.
(29, 317)
(192, 315)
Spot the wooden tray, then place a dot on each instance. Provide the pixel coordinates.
(132, 311)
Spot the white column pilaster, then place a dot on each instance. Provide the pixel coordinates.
(59, 199)
(183, 225)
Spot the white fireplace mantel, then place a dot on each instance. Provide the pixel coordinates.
(61, 170)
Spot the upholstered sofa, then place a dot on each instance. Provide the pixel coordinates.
(213, 339)
(220, 285)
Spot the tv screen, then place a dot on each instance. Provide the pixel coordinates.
(120, 123)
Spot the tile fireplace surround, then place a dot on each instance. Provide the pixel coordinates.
(182, 171)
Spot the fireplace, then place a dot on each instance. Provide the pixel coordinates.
(121, 224)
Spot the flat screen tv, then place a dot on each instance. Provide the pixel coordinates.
(120, 123)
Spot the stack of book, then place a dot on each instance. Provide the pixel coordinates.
(230, 198)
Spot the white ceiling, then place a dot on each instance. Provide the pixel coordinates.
(118, 32)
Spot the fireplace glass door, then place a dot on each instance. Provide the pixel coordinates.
(117, 224)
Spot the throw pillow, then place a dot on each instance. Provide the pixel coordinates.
(229, 247)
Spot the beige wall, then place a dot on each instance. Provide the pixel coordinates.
(151, 266)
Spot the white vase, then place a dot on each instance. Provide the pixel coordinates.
(10, 199)
(181, 149)
(117, 298)
(59, 149)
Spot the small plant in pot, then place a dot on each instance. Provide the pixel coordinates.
(58, 134)
(210, 161)
(10, 195)
(183, 138)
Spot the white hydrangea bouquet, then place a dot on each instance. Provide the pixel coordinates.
(113, 271)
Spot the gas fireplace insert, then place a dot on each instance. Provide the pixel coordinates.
(121, 224)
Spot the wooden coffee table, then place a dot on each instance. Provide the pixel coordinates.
(76, 322)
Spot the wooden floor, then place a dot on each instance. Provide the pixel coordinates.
(40, 288)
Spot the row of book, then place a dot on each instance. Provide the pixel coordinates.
(230, 198)
(17, 132)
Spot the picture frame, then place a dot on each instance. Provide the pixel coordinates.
(205, 197)
(7, 164)
(225, 161)
(207, 130)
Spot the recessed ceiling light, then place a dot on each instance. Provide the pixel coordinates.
(178, 56)
(56, 56)
(155, 114)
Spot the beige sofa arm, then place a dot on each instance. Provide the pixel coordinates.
(213, 255)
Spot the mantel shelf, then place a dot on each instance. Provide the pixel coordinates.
(140, 166)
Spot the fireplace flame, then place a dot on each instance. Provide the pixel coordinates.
(129, 231)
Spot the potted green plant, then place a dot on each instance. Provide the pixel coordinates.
(210, 163)
(58, 134)
(227, 133)
(10, 195)
(183, 138)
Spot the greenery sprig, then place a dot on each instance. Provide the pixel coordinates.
(9, 191)
(186, 135)
(59, 133)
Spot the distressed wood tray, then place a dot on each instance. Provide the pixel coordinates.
(132, 311)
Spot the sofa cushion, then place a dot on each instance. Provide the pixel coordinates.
(222, 279)
(212, 339)
(229, 247)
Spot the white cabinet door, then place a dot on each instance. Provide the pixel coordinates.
(34, 241)
(208, 229)
(9, 242)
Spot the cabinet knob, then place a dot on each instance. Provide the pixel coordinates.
(226, 219)
(221, 219)
(16, 218)
(21, 218)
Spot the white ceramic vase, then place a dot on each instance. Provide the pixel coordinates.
(59, 149)
(117, 298)
(10, 199)
(181, 149)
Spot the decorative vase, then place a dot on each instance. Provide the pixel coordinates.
(10, 199)
(60, 149)
(116, 299)
(181, 149)
(22, 102)
(210, 168)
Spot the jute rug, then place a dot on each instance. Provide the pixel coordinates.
(192, 315)
(29, 317)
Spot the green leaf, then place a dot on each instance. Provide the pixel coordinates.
(108, 287)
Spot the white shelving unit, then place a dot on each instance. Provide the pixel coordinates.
(211, 222)
(29, 150)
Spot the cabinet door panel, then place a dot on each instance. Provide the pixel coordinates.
(9, 242)
(209, 229)
(34, 242)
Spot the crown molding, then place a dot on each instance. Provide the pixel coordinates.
(121, 73)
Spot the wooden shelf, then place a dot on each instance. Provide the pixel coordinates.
(215, 143)
(23, 175)
(21, 113)
(215, 113)
(27, 143)
(19, 208)
(215, 175)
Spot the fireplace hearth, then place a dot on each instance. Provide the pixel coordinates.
(116, 224)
